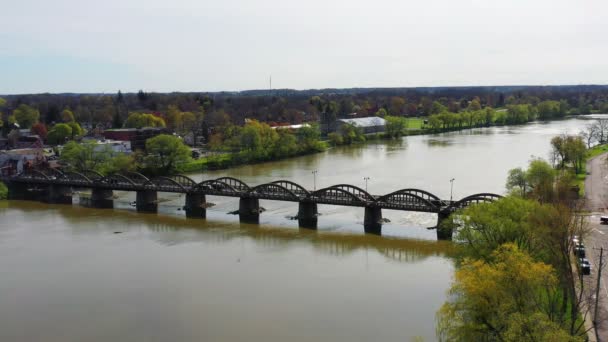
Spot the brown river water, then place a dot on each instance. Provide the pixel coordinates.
(69, 273)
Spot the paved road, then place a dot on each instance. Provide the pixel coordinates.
(596, 193)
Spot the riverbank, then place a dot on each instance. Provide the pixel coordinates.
(415, 127)
(592, 153)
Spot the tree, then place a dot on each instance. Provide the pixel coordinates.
(474, 105)
(502, 299)
(83, 156)
(67, 116)
(59, 134)
(76, 129)
(40, 130)
(166, 153)
(381, 112)
(541, 179)
(141, 120)
(395, 126)
(25, 116)
(517, 180)
(397, 104)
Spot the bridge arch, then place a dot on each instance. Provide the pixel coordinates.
(355, 190)
(215, 185)
(77, 177)
(274, 190)
(408, 197)
(337, 195)
(294, 187)
(234, 183)
(418, 192)
(136, 177)
(51, 172)
(473, 199)
(34, 174)
(164, 182)
(92, 174)
(185, 181)
(117, 179)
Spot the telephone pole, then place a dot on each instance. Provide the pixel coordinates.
(597, 290)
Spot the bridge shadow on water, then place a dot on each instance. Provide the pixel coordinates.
(171, 230)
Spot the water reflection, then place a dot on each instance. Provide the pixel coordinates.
(172, 231)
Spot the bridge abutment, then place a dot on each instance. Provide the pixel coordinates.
(307, 214)
(102, 198)
(372, 222)
(195, 205)
(147, 201)
(58, 194)
(444, 231)
(249, 210)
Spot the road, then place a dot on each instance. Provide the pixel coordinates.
(596, 194)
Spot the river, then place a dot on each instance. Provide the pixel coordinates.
(70, 273)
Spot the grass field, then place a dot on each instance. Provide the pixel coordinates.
(415, 123)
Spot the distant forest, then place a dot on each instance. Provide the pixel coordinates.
(296, 106)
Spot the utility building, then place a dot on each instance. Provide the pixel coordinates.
(370, 124)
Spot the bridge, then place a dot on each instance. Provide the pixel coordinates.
(54, 186)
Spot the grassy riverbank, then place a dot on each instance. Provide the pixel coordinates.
(3, 191)
(582, 175)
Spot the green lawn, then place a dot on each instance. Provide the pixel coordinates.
(597, 150)
(415, 123)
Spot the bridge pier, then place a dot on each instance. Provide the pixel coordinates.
(195, 205)
(20, 191)
(147, 201)
(307, 215)
(249, 210)
(102, 198)
(372, 222)
(444, 232)
(58, 194)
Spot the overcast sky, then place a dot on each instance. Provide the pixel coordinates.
(200, 45)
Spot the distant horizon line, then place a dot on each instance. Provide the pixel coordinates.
(311, 89)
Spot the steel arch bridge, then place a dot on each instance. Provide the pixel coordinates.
(281, 190)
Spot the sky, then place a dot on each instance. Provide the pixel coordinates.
(200, 45)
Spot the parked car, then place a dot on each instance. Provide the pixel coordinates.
(585, 266)
(579, 250)
(604, 219)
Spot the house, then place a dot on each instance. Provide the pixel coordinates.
(370, 124)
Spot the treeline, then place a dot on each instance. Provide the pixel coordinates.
(516, 275)
(257, 142)
(187, 111)
(475, 116)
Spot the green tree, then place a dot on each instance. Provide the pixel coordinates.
(84, 156)
(541, 179)
(3, 191)
(25, 116)
(517, 181)
(395, 126)
(501, 299)
(166, 153)
(141, 120)
(67, 116)
(59, 134)
(76, 129)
